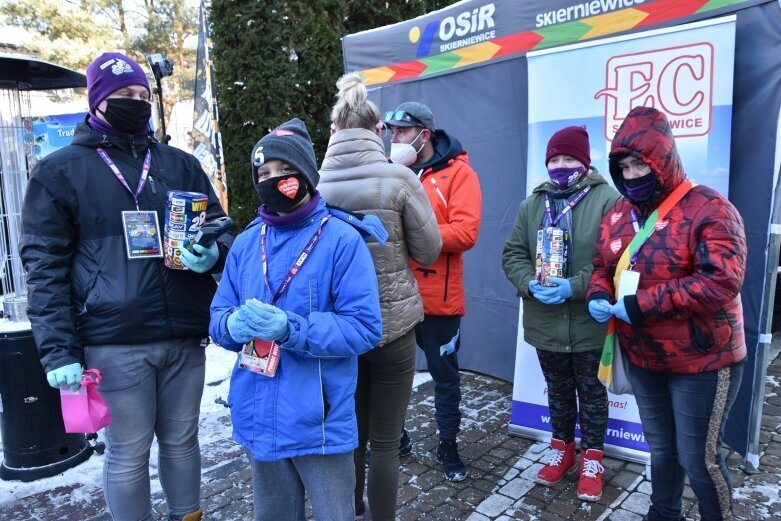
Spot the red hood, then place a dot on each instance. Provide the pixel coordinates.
(646, 134)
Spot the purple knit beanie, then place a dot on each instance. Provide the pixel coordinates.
(110, 72)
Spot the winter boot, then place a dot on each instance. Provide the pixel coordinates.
(561, 459)
(192, 516)
(591, 469)
(405, 443)
(447, 454)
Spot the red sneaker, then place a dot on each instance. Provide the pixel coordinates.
(591, 469)
(561, 459)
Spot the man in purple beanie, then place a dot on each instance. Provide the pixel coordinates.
(98, 300)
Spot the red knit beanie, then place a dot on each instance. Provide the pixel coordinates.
(570, 141)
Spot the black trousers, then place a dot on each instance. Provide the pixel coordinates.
(435, 335)
(575, 391)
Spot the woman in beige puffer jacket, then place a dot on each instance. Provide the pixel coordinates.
(356, 176)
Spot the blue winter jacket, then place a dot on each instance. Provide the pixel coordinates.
(334, 316)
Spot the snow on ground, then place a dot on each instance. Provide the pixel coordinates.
(86, 479)
(77, 485)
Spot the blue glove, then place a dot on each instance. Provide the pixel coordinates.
(600, 310)
(553, 294)
(66, 375)
(204, 258)
(619, 310)
(241, 325)
(562, 288)
(270, 322)
(547, 297)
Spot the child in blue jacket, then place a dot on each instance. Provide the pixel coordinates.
(299, 301)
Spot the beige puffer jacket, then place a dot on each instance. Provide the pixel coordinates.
(356, 176)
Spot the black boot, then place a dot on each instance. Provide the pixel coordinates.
(447, 454)
(405, 443)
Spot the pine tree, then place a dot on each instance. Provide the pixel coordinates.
(276, 60)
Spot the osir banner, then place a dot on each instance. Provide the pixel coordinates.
(470, 34)
(685, 72)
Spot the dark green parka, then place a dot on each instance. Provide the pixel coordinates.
(565, 327)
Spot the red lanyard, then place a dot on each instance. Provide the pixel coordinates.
(296, 267)
(144, 172)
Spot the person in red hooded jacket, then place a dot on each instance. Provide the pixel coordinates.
(680, 321)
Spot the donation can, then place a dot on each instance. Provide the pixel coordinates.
(185, 213)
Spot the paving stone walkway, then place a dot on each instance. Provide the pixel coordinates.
(501, 469)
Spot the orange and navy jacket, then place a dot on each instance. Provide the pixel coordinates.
(454, 192)
(686, 316)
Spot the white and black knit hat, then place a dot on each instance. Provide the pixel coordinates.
(291, 144)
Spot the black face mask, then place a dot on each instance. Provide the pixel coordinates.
(129, 116)
(640, 189)
(280, 194)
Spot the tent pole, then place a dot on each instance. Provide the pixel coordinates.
(751, 461)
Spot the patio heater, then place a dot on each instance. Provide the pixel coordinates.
(34, 441)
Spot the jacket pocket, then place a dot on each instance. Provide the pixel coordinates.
(700, 338)
(314, 303)
(713, 332)
(88, 297)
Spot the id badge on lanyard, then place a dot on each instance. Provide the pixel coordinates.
(141, 228)
(628, 279)
(260, 356)
(142, 234)
(628, 283)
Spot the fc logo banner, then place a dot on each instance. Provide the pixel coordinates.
(676, 80)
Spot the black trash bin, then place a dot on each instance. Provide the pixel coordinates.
(35, 444)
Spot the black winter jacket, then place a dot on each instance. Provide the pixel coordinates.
(82, 288)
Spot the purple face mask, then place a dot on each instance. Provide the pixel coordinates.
(565, 177)
(640, 189)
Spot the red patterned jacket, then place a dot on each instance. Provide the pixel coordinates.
(687, 315)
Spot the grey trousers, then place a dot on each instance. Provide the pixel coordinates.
(151, 390)
(278, 488)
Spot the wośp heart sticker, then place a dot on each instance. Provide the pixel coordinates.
(288, 187)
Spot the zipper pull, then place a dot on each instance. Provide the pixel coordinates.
(133, 148)
(439, 192)
(152, 185)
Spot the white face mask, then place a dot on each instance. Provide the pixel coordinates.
(404, 153)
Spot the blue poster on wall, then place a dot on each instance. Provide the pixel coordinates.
(54, 132)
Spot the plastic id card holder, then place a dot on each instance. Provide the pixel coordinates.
(142, 234)
(260, 357)
(628, 283)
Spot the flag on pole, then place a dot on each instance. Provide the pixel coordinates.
(207, 141)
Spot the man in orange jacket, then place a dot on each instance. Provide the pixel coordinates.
(454, 191)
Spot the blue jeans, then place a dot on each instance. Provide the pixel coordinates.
(278, 488)
(683, 419)
(151, 389)
(431, 334)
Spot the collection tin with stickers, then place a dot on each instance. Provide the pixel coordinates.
(551, 258)
(185, 213)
